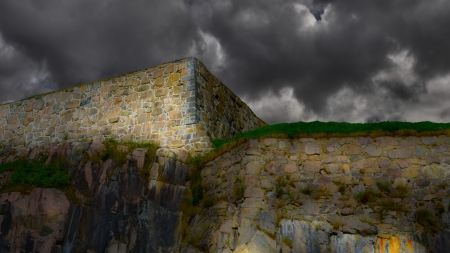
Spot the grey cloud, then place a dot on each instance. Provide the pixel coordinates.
(85, 40)
(254, 47)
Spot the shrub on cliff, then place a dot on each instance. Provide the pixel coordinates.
(36, 174)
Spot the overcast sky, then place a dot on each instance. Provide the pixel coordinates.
(304, 60)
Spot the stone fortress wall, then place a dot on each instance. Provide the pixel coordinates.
(177, 104)
(319, 209)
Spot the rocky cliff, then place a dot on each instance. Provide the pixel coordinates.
(112, 208)
(387, 194)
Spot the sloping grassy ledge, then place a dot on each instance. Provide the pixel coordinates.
(318, 129)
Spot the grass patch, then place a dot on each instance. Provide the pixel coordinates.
(37, 174)
(28, 175)
(11, 165)
(307, 190)
(119, 150)
(279, 186)
(196, 186)
(322, 192)
(388, 204)
(288, 241)
(238, 191)
(401, 191)
(384, 186)
(427, 220)
(367, 196)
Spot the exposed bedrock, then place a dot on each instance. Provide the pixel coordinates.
(273, 195)
(117, 210)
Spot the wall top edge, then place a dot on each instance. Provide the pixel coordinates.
(186, 59)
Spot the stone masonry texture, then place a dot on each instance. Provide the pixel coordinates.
(177, 104)
(319, 206)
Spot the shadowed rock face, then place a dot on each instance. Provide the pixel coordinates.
(313, 209)
(121, 212)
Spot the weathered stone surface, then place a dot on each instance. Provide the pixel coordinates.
(253, 169)
(290, 168)
(373, 150)
(312, 165)
(251, 192)
(351, 149)
(312, 149)
(398, 153)
(71, 104)
(434, 171)
(429, 140)
(38, 104)
(165, 97)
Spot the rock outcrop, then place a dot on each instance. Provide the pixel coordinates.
(113, 208)
(272, 195)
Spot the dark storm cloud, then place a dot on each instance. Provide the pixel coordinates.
(85, 40)
(323, 59)
(268, 52)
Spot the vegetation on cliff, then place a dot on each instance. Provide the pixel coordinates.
(28, 174)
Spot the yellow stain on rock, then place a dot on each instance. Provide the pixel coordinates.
(389, 244)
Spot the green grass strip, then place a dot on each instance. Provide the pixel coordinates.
(319, 129)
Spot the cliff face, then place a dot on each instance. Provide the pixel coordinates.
(115, 209)
(290, 195)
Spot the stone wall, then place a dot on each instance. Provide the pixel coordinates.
(330, 195)
(167, 104)
(220, 111)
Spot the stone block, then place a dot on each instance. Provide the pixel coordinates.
(132, 97)
(429, 140)
(38, 104)
(66, 118)
(71, 104)
(74, 126)
(159, 82)
(411, 173)
(176, 114)
(400, 181)
(368, 181)
(147, 94)
(351, 149)
(420, 151)
(399, 153)
(253, 168)
(332, 168)
(157, 111)
(252, 192)
(312, 166)
(275, 169)
(290, 168)
(132, 82)
(346, 168)
(173, 80)
(434, 171)
(29, 106)
(373, 150)
(312, 148)
(27, 121)
(365, 163)
(79, 114)
(112, 113)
